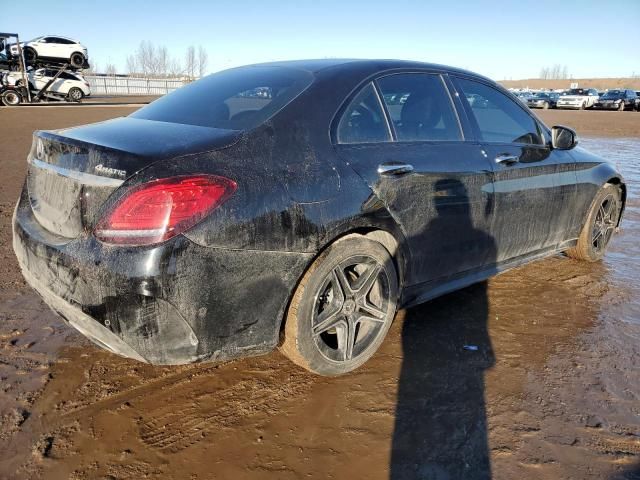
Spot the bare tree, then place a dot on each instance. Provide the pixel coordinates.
(554, 72)
(132, 64)
(544, 73)
(110, 69)
(155, 61)
(152, 61)
(93, 68)
(203, 61)
(190, 62)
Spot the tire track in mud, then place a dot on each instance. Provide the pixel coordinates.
(171, 431)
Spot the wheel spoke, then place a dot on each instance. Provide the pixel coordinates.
(343, 282)
(596, 238)
(350, 339)
(338, 289)
(327, 320)
(367, 280)
(371, 312)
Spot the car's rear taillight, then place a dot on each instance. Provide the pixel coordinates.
(156, 211)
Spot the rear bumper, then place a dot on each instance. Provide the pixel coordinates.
(175, 303)
(569, 107)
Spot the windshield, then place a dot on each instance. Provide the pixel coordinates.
(237, 99)
(576, 91)
(542, 95)
(613, 94)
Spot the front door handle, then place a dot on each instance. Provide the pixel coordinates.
(393, 168)
(507, 159)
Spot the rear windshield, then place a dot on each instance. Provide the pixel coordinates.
(237, 99)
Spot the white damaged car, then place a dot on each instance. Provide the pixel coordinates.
(53, 48)
(578, 98)
(69, 85)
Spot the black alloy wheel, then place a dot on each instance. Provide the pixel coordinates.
(342, 308)
(600, 224)
(605, 223)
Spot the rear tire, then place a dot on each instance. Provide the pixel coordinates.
(11, 98)
(75, 95)
(30, 55)
(342, 308)
(599, 226)
(76, 60)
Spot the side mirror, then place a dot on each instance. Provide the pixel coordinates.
(563, 138)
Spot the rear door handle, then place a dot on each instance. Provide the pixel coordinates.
(393, 168)
(507, 159)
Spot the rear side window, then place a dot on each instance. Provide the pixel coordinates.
(420, 107)
(499, 118)
(237, 99)
(363, 121)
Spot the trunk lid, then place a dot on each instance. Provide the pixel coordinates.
(72, 172)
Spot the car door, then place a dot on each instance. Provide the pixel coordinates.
(40, 78)
(45, 47)
(55, 47)
(534, 185)
(432, 180)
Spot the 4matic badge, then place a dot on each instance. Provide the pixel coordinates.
(110, 171)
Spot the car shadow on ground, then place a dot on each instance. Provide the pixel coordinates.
(440, 428)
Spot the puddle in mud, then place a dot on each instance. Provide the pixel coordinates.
(550, 391)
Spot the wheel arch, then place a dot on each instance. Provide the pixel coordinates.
(623, 193)
(393, 242)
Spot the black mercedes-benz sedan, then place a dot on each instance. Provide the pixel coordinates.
(299, 204)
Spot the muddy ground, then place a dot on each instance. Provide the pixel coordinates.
(552, 392)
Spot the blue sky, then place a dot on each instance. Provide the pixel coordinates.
(500, 39)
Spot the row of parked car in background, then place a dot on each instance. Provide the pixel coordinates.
(52, 69)
(582, 99)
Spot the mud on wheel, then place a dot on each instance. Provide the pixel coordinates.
(342, 308)
(601, 223)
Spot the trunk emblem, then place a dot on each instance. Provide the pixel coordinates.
(110, 171)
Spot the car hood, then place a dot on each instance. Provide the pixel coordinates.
(573, 97)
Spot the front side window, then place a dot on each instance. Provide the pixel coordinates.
(499, 118)
(237, 99)
(420, 107)
(363, 121)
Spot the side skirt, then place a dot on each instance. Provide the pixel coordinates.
(424, 292)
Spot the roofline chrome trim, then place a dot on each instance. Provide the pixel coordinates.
(84, 178)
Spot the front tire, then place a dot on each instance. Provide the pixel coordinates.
(75, 95)
(342, 308)
(583, 106)
(600, 225)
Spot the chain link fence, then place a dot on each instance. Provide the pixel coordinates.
(106, 85)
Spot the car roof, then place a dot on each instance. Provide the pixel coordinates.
(317, 65)
(60, 36)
